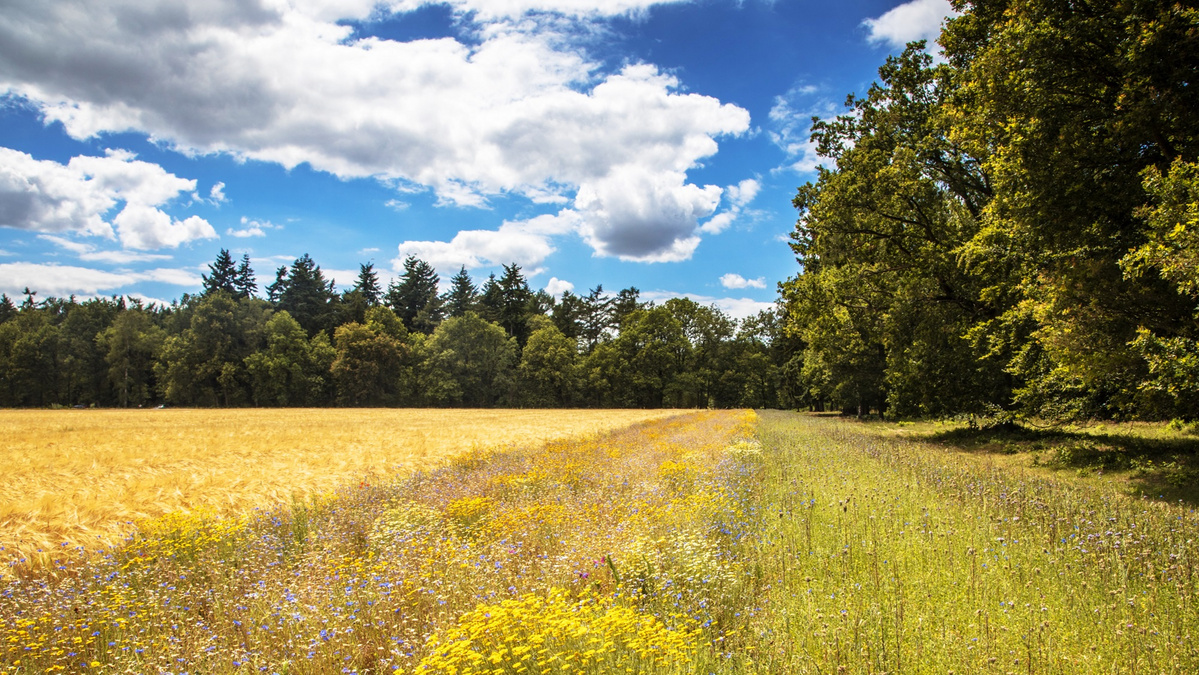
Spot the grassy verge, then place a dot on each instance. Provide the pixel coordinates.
(892, 556)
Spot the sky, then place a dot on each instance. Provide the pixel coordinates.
(654, 144)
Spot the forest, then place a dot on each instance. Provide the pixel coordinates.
(1010, 228)
(305, 344)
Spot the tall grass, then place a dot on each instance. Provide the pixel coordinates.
(587, 554)
(83, 477)
(888, 556)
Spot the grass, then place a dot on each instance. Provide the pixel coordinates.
(715, 542)
(83, 478)
(1155, 460)
(582, 554)
(893, 556)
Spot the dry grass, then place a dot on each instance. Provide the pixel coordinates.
(83, 478)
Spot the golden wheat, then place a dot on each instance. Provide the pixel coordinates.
(84, 478)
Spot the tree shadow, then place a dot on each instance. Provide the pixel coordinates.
(1165, 469)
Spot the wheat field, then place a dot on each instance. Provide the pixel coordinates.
(81, 479)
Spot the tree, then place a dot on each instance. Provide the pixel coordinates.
(516, 299)
(205, 363)
(307, 296)
(595, 317)
(472, 361)
(373, 363)
(882, 298)
(568, 315)
(7, 309)
(490, 299)
(274, 290)
(244, 284)
(222, 275)
(463, 295)
(368, 284)
(547, 367)
(414, 297)
(1067, 106)
(129, 347)
(292, 369)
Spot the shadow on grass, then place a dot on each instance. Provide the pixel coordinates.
(1166, 469)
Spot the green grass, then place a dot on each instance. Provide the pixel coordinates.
(887, 555)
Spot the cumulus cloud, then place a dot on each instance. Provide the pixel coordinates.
(63, 280)
(491, 9)
(516, 110)
(739, 196)
(915, 20)
(556, 287)
(217, 194)
(738, 281)
(738, 308)
(527, 243)
(252, 228)
(87, 252)
(45, 196)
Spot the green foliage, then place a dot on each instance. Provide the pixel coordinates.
(548, 367)
(292, 369)
(471, 362)
(206, 363)
(414, 297)
(130, 347)
(1008, 229)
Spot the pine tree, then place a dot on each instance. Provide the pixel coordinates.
(368, 284)
(223, 275)
(515, 303)
(463, 295)
(275, 290)
(244, 284)
(414, 298)
(596, 317)
(7, 309)
(490, 299)
(307, 296)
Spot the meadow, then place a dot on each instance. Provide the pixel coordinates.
(711, 542)
(83, 478)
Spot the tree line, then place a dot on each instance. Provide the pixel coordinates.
(1012, 229)
(303, 343)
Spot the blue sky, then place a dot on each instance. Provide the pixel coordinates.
(622, 142)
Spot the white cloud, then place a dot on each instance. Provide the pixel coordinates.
(491, 9)
(517, 110)
(252, 228)
(64, 280)
(526, 243)
(738, 308)
(644, 216)
(217, 194)
(396, 205)
(739, 196)
(915, 20)
(88, 252)
(556, 287)
(45, 196)
(738, 281)
(479, 248)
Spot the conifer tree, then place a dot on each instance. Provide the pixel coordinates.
(368, 284)
(244, 283)
(414, 298)
(463, 295)
(223, 275)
